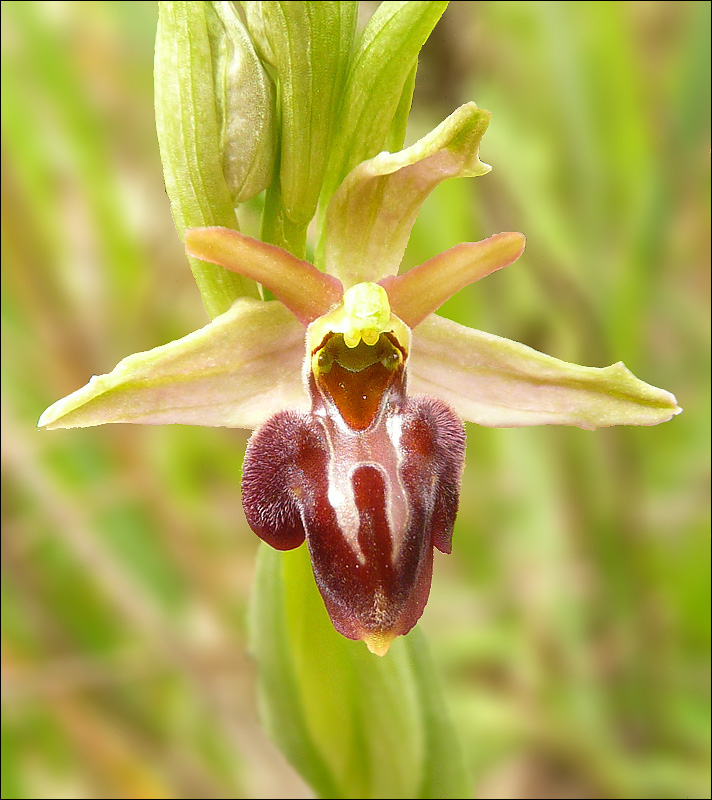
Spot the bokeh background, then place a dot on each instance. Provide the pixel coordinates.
(571, 624)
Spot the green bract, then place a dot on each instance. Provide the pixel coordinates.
(379, 85)
(191, 92)
(307, 51)
(354, 725)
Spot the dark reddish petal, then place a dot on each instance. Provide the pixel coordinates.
(283, 462)
(372, 551)
(355, 379)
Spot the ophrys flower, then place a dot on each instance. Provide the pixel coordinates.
(356, 387)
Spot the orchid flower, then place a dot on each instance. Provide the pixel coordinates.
(355, 388)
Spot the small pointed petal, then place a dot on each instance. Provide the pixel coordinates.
(423, 289)
(299, 285)
(499, 383)
(235, 372)
(370, 217)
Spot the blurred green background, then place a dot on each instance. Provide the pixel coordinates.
(571, 624)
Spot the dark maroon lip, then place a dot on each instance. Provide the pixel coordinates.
(371, 479)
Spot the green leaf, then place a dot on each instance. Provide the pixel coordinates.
(307, 47)
(190, 139)
(352, 724)
(378, 85)
(499, 383)
(235, 372)
(370, 217)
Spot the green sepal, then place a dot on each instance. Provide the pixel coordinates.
(498, 383)
(235, 372)
(351, 723)
(370, 217)
(190, 141)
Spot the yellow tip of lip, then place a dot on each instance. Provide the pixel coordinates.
(378, 643)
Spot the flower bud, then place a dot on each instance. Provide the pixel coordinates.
(245, 103)
(307, 47)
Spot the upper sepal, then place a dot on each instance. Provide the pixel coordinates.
(370, 217)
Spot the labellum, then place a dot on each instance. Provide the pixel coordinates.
(369, 476)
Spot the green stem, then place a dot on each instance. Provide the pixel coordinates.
(278, 229)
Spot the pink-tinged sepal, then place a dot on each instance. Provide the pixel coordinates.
(284, 471)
